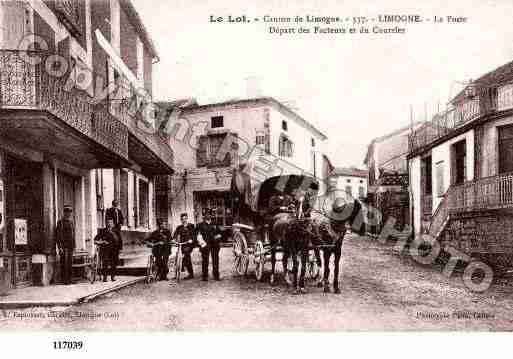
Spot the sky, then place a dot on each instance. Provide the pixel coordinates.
(352, 87)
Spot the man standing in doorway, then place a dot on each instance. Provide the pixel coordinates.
(65, 238)
(116, 215)
(110, 246)
(211, 235)
(184, 233)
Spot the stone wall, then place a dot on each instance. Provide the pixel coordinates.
(484, 234)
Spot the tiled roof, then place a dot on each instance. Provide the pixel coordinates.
(349, 171)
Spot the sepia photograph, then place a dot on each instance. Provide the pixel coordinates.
(241, 166)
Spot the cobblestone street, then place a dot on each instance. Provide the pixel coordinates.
(380, 291)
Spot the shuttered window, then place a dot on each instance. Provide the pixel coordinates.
(201, 152)
(440, 186)
(505, 149)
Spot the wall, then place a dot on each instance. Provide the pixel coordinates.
(301, 137)
(415, 204)
(442, 153)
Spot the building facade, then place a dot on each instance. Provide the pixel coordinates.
(352, 181)
(460, 170)
(261, 127)
(74, 76)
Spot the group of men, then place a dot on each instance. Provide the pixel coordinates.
(206, 235)
(108, 240)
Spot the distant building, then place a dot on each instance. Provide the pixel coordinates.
(387, 163)
(352, 181)
(461, 170)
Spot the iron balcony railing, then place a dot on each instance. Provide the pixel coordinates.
(108, 120)
(25, 85)
(486, 193)
(465, 111)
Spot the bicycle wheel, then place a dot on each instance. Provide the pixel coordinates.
(149, 269)
(178, 265)
(93, 269)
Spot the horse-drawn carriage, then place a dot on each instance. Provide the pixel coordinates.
(285, 216)
(256, 208)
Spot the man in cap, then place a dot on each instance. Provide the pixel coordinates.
(116, 215)
(65, 238)
(111, 244)
(184, 233)
(209, 238)
(159, 240)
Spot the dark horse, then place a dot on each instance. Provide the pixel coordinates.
(326, 231)
(296, 237)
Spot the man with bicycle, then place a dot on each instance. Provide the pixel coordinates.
(110, 244)
(184, 233)
(159, 241)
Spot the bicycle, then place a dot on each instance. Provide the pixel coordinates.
(178, 260)
(151, 267)
(95, 267)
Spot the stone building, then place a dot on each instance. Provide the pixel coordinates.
(213, 139)
(461, 166)
(73, 76)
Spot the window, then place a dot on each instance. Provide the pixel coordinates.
(284, 125)
(123, 194)
(260, 140)
(349, 191)
(348, 181)
(285, 147)
(505, 149)
(361, 181)
(312, 141)
(207, 151)
(426, 176)
(440, 190)
(459, 162)
(217, 121)
(144, 205)
(361, 192)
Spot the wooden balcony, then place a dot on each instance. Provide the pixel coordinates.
(494, 192)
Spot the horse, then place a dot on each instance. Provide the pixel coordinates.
(331, 232)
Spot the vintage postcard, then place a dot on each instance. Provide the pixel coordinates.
(255, 166)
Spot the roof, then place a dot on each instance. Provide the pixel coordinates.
(500, 76)
(256, 102)
(136, 21)
(349, 171)
(414, 125)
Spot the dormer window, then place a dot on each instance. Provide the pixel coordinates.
(217, 122)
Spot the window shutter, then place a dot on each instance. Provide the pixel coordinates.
(201, 152)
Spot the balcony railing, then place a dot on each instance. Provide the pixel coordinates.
(444, 123)
(27, 86)
(486, 193)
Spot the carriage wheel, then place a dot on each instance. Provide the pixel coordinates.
(240, 253)
(259, 258)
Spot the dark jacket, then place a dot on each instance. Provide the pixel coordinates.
(162, 237)
(113, 239)
(116, 215)
(185, 234)
(211, 233)
(65, 234)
